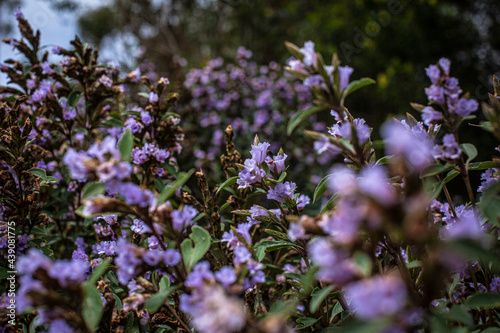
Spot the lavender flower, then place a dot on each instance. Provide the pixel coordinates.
(282, 191)
(345, 73)
(259, 152)
(226, 276)
(379, 296)
(153, 97)
(250, 175)
(309, 54)
(181, 219)
(171, 257)
(431, 116)
(334, 264)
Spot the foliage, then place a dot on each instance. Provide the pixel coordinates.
(108, 232)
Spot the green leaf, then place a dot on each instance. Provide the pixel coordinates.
(126, 145)
(306, 322)
(470, 150)
(322, 187)
(435, 169)
(300, 116)
(318, 298)
(100, 270)
(294, 50)
(92, 308)
(228, 182)
(191, 254)
(355, 85)
(93, 189)
(459, 314)
(73, 98)
(363, 262)
(164, 283)
(330, 204)
(490, 203)
(224, 206)
(474, 250)
(482, 165)
(169, 190)
(450, 176)
(337, 308)
(157, 300)
(38, 172)
(483, 301)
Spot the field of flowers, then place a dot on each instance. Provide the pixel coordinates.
(286, 222)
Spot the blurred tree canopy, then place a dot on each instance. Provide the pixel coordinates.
(391, 41)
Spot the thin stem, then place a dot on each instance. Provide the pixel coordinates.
(183, 324)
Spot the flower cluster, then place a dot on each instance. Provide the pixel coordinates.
(109, 231)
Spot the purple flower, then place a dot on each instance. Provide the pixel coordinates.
(379, 296)
(435, 94)
(153, 97)
(343, 225)
(106, 81)
(30, 262)
(303, 200)
(373, 182)
(411, 143)
(431, 116)
(56, 49)
(250, 175)
(277, 163)
(452, 87)
(139, 156)
(80, 243)
(171, 257)
(181, 219)
(259, 152)
(433, 73)
(244, 230)
(230, 238)
(226, 275)
(296, 231)
(146, 117)
(69, 272)
(445, 65)
(134, 195)
(60, 326)
(241, 255)
(161, 154)
(489, 177)
(134, 125)
(46, 68)
(466, 226)
(18, 14)
(334, 264)
(69, 114)
(465, 107)
(324, 144)
(126, 261)
(450, 149)
(310, 58)
(107, 248)
(139, 227)
(345, 73)
(153, 243)
(282, 191)
(79, 255)
(152, 258)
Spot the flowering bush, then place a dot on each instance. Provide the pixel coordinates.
(102, 229)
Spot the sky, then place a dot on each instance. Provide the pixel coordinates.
(57, 28)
